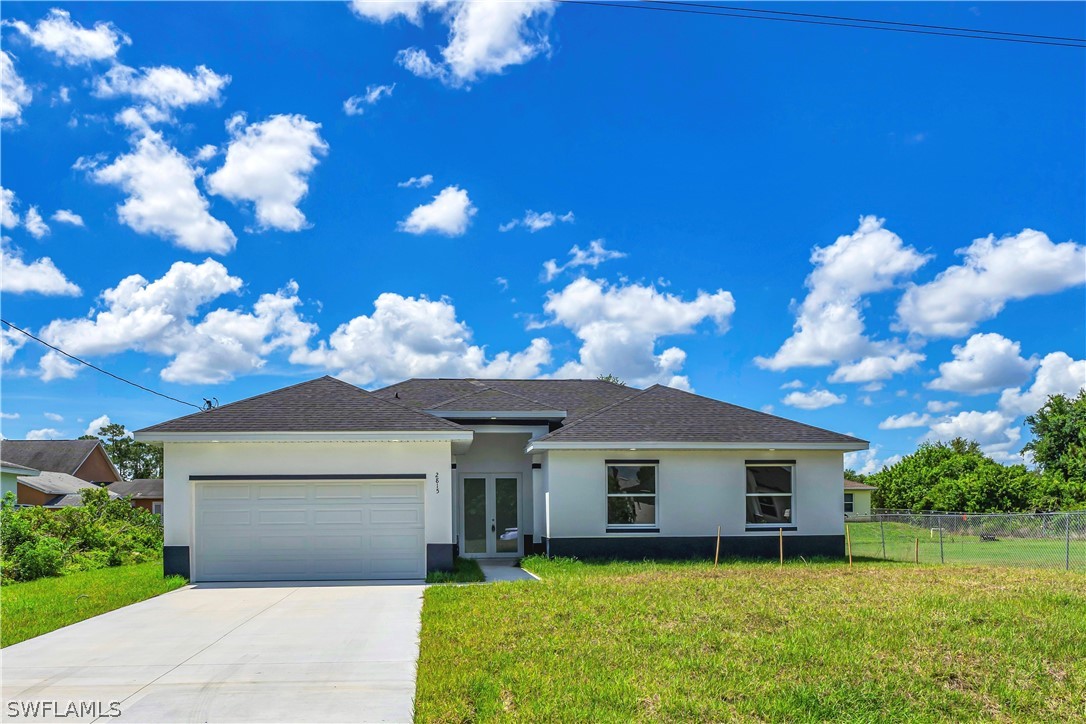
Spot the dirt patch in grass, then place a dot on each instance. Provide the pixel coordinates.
(685, 641)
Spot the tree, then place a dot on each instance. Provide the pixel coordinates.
(612, 379)
(1059, 449)
(133, 459)
(851, 474)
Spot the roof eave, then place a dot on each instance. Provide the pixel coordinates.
(537, 446)
(498, 414)
(315, 436)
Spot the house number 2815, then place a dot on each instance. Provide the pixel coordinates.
(437, 482)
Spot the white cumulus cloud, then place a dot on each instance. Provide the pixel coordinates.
(162, 196)
(619, 327)
(40, 276)
(901, 422)
(71, 42)
(14, 92)
(268, 163)
(96, 425)
(159, 317)
(813, 400)
(1057, 374)
(161, 89)
(994, 272)
(535, 221)
(416, 337)
(34, 224)
(993, 430)
(417, 182)
(985, 363)
(449, 213)
(45, 433)
(355, 105)
(485, 36)
(593, 256)
(869, 462)
(829, 326)
(64, 216)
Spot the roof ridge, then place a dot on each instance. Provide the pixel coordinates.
(246, 399)
(600, 411)
(402, 406)
(490, 388)
(766, 414)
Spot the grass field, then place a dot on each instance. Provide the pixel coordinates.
(36, 607)
(965, 549)
(685, 642)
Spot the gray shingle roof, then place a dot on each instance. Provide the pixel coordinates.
(67, 501)
(321, 405)
(61, 456)
(138, 488)
(856, 485)
(16, 469)
(664, 414)
(490, 399)
(53, 483)
(576, 397)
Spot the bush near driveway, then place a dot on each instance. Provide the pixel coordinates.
(37, 607)
(103, 532)
(756, 641)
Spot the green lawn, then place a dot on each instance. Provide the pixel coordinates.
(687, 642)
(36, 607)
(967, 549)
(465, 570)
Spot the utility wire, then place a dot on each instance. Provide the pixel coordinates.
(96, 368)
(713, 12)
(867, 20)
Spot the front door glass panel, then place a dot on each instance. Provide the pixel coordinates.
(476, 524)
(505, 515)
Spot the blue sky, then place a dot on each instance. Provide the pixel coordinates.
(708, 158)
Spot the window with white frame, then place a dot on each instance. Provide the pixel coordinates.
(848, 503)
(631, 495)
(769, 493)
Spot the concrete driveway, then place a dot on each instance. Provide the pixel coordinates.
(297, 652)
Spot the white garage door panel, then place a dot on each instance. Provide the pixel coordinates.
(309, 531)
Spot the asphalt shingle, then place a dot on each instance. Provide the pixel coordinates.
(61, 456)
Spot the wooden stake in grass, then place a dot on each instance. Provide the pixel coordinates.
(782, 545)
(848, 545)
(916, 552)
(716, 557)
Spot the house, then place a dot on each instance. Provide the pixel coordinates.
(146, 493)
(84, 459)
(9, 477)
(857, 499)
(52, 490)
(323, 480)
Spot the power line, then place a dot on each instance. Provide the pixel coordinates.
(96, 368)
(867, 20)
(713, 11)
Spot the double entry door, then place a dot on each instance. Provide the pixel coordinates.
(490, 506)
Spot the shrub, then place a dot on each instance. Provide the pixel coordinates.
(37, 559)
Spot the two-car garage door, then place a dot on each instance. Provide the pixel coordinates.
(308, 530)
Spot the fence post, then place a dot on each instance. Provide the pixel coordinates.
(1067, 542)
(942, 558)
(882, 531)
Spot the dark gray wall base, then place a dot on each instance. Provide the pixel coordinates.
(666, 548)
(175, 561)
(439, 556)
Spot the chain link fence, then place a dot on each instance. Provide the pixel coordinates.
(1041, 540)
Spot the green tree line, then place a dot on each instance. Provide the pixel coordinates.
(958, 476)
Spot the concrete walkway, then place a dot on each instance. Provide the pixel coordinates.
(297, 652)
(504, 569)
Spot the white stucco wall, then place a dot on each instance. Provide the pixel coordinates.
(697, 490)
(498, 453)
(861, 503)
(306, 458)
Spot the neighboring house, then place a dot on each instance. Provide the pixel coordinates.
(323, 480)
(9, 477)
(84, 459)
(146, 493)
(52, 490)
(857, 499)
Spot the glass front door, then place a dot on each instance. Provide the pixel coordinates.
(490, 515)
